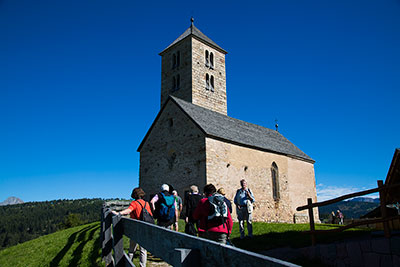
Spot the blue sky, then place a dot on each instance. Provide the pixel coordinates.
(80, 86)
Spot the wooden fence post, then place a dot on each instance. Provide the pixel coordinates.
(382, 198)
(107, 237)
(312, 225)
(118, 247)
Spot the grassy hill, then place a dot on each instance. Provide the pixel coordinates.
(77, 246)
(22, 222)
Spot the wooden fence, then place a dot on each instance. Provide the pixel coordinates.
(175, 248)
(382, 189)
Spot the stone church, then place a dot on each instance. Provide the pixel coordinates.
(193, 140)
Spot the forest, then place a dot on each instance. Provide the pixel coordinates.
(23, 222)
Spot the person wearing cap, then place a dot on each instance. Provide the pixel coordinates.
(191, 201)
(155, 203)
(227, 201)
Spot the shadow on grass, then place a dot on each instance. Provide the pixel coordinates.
(56, 260)
(294, 239)
(95, 254)
(82, 239)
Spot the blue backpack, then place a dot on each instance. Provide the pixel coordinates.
(167, 207)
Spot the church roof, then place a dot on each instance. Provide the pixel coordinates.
(222, 127)
(193, 31)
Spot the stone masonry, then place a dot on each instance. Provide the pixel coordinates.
(192, 71)
(227, 164)
(174, 153)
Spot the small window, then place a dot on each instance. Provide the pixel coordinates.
(173, 83)
(275, 181)
(178, 58)
(212, 83)
(207, 60)
(176, 82)
(173, 61)
(207, 82)
(211, 60)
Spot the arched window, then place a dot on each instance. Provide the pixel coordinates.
(207, 81)
(173, 83)
(211, 60)
(207, 60)
(178, 58)
(212, 83)
(173, 61)
(275, 181)
(178, 82)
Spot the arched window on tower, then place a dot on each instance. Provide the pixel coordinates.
(173, 83)
(211, 60)
(206, 59)
(275, 181)
(207, 82)
(178, 82)
(174, 61)
(178, 58)
(212, 83)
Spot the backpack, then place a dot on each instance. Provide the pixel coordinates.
(167, 208)
(144, 214)
(218, 212)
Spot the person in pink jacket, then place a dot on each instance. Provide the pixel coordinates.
(215, 230)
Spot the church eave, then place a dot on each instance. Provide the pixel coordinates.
(170, 99)
(259, 148)
(310, 160)
(197, 38)
(151, 127)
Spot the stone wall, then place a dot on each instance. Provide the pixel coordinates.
(216, 100)
(173, 153)
(184, 70)
(227, 164)
(192, 71)
(301, 183)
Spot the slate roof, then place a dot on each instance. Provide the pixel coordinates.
(193, 31)
(222, 127)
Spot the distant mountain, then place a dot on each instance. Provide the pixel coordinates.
(11, 201)
(350, 209)
(365, 199)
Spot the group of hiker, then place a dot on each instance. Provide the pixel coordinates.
(206, 215)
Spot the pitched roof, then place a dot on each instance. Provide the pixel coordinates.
(193, 31)
(222, 127)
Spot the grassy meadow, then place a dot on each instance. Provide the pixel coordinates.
(80, 246)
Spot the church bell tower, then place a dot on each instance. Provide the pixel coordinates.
(193, 69)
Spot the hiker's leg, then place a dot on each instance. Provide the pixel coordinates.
(241, 228)
(249, 224)
(143, 257)
(132, 249)
(217, 237)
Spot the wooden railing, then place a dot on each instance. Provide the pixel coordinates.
(175, 248)
(382, 189)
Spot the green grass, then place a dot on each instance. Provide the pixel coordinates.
(80, 246)
(274, 235)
